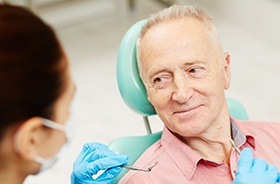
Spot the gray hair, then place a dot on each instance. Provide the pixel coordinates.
(179, 12)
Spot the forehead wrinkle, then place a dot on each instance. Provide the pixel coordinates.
(165, 33)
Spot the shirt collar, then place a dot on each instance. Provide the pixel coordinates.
(237, 135)
(240, 135)
(186, 158)
(182, 155)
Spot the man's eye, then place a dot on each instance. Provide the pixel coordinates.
(161, 82)
(157, 80)
(197, 71)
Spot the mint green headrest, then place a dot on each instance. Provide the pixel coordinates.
(130, 85)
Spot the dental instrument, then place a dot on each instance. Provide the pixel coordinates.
(129, 167)
(135, 168)
(231, 141)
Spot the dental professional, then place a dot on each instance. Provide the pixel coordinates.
(36, 93)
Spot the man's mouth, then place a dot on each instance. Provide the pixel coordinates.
(186, 110)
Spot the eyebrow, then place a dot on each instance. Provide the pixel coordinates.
(167, 69)
(153, 72)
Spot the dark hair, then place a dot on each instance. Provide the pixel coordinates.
(32, 67)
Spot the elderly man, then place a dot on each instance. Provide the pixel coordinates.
(185, 72)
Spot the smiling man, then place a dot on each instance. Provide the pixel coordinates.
(186, 72)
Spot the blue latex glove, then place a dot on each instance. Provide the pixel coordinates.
(93, 158)
(254, 170)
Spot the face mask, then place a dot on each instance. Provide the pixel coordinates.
(68, 130)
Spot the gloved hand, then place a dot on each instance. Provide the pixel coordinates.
(254, 170)
(93, 158)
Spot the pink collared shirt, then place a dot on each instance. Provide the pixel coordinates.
(178, 163)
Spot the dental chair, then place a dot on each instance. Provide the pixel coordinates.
(134, 94)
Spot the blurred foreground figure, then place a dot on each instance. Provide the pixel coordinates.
(36, 91)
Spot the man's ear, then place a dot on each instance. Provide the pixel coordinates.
(227, 72)
(28, 137)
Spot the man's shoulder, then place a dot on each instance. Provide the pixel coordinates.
(266, 143)
(262, 125)
(150, 154)
(260, 130)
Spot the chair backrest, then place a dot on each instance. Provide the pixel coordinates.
(134, 94)
(130, 85)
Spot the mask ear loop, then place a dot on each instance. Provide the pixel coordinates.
(48, 162)
(68, 129)
(54, 125)
(70, 126)
(47, 123)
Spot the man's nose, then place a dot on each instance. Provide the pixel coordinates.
(183, 90)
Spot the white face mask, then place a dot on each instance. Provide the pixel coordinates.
(68, 130)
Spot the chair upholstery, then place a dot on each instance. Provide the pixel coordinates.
(130, 85)
(134, 94)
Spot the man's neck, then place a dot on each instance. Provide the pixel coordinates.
(213, 151)
(213, 145)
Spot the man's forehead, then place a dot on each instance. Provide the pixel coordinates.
(173, 37)
(168, 27)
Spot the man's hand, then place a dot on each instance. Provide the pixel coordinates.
(254, 170)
